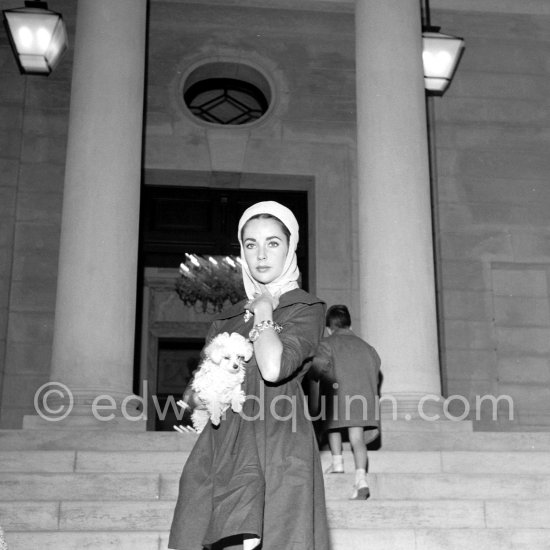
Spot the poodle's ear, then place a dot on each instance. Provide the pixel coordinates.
(214, 349)
(215, 353)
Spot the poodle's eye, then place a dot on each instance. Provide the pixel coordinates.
(227, 356)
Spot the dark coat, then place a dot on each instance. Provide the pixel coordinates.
(259, 472)
(348, 368)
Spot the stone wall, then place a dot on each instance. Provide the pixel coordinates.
(492, 135)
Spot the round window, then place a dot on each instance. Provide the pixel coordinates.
(227, 94)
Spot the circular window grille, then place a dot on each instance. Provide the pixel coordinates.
(227, 94)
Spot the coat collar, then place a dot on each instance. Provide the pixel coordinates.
(347, 330)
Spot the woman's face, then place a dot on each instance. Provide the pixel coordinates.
(265, 249)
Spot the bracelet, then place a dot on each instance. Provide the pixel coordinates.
(254, 334)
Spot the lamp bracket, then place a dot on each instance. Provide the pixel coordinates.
(36, 4)
(430, 28)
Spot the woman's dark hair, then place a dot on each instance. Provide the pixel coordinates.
(284, 228)
(338, 317)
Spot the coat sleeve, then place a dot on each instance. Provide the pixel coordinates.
(300, 337)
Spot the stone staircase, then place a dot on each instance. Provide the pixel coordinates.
(434, 486)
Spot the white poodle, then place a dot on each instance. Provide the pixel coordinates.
(219, 377)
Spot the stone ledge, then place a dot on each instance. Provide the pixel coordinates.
(530, 7)
(447, 437)
(342, 539)
(84, 422)
(64, 540)
(74, 486)
(105, 440)
(437, 539)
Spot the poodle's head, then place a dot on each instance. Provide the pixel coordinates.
(229, 351)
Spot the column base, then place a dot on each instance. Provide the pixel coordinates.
(413, 406)
(81, 422)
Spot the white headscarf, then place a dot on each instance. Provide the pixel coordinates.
(288, 279)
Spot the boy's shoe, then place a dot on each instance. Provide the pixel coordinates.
(361, 491)
(251, 543)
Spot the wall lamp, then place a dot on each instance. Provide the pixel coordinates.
(440, 56)
(38, 37)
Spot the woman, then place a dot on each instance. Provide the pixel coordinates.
(257, 479)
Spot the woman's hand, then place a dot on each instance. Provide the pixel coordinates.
(263, 305)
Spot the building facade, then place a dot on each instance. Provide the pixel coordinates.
(428, 218)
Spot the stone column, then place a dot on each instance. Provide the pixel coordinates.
(93, 345)
(397, 283)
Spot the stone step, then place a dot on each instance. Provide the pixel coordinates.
(434, 486)
(17, 486)
(439, 514)
(85, 516)
(464, 441)
(439, 539)
(478, 462)
(342, 539)
(37, 461)
(441, 486)
(65, 540)
(396, 435)
(490, 462)
(105, 440)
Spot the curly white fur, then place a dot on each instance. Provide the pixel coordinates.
(218, 380)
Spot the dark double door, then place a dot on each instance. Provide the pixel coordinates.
(198, 220)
